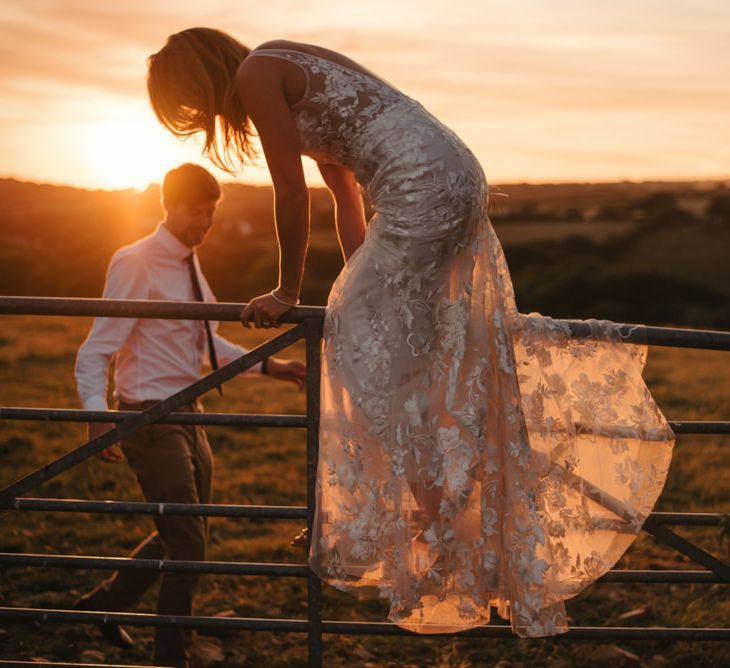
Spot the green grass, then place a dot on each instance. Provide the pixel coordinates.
(266, 466)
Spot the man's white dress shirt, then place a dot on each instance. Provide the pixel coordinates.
(153, 358)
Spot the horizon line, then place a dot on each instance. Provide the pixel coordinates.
(718, 179)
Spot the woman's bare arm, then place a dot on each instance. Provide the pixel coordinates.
(260, 83)
(349, 210)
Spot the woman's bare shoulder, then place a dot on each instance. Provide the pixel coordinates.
(318, 51)
(283, 44)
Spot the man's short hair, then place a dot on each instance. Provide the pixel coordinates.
(190, 184)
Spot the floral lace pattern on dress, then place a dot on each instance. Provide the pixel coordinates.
(470, 456)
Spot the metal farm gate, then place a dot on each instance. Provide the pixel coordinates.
(308, 326)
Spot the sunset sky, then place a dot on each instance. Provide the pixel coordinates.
(541, 90)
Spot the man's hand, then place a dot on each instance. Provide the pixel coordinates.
(291, 370)
(111, 454)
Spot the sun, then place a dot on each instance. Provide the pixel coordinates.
(129, 149)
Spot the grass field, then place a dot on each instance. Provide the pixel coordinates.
(262, 466)
(528, 232)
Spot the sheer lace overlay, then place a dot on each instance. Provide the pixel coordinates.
(470, 456)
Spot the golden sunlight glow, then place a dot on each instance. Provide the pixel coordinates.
(570, 90)
(129, 149)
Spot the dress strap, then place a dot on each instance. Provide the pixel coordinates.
(302, 57)
(290, 56)
(284, 54)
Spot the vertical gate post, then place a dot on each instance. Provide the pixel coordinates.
(313, 337)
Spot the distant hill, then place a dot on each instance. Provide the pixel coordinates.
(57, 240)
(643, 252)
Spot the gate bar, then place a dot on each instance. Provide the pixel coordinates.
(222, 311)
(210, 419)
(15, 559)
(141, 308)
(20, 560)
(56, 664)
(255, 420)
(683, 546)
(313, 336)
(145, 508)
(266, 512)
(350, 628)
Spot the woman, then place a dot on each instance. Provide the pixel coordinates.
(469, 456)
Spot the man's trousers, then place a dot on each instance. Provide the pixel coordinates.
(173, 464)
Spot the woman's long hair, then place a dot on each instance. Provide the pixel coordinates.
(191, 84)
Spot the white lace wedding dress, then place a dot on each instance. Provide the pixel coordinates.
(470, 456)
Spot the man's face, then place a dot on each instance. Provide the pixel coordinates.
(191, 222)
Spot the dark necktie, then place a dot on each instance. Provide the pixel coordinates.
(198, 293)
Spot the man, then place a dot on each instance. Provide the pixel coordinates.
(155, 358)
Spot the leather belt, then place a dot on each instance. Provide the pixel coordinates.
(193, 407)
